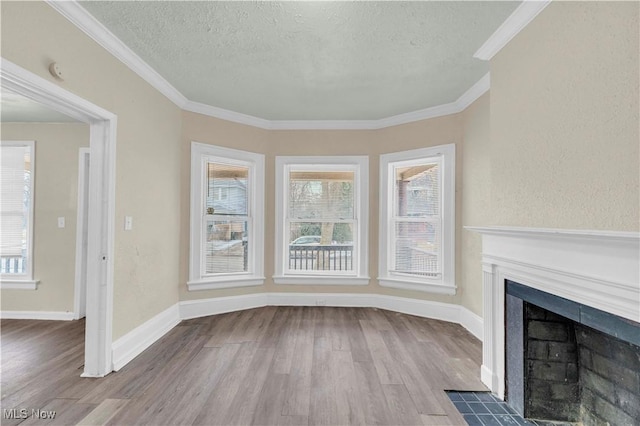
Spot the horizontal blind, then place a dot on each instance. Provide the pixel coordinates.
(417, 219)
(15, 200)
(325, 195)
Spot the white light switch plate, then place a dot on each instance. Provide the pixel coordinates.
(61, 222)
(128, 223)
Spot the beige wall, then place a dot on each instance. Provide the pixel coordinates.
(147, 160)
(426, 133)
(564, 120)
(476, 196)
(56, 192)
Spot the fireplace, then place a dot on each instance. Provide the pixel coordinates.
(562, 323)
(569, 362)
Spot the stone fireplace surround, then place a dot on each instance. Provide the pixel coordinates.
(599, 269)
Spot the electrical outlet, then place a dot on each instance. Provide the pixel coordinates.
(61, 222)
(128, 223)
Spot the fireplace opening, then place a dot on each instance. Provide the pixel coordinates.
(567, 362)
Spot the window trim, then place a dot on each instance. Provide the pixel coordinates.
(360, 166)
(24, 281)
(446, 284)
(200, 152)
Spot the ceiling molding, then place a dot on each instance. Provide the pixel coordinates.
(82, 19)
(228, 115)
(515, 23)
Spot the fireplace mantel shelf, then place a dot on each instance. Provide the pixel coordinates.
(600, 269)
(631, 237)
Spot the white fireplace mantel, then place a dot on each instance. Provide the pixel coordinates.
(600, 269)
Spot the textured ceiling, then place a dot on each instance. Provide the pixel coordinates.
(310, 60)
(18, 109)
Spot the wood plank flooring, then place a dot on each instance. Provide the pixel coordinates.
(266, 366)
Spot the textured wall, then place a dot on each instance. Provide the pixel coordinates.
(56, 192)
(476, 196)
(564, 120)
(147, 159)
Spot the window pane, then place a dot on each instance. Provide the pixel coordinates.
(227, 189)
(417, 248)
(417, 190)
(226, 246)
(318, 246)
(321, 195)
(15, 205)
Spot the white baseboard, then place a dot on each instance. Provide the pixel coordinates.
(38, 315)
(220, 305)
(133, 343)
(140, 338)
(423, 308)
(472, 322)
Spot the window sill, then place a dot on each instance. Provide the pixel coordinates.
(18, 284)
(320, 280)
(419, 286)
(212, 284)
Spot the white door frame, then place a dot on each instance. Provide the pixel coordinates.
(102, 136)
(80, 287)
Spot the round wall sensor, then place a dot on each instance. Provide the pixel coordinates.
(55, 70)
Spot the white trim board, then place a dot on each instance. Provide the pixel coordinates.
(140, 338)
(38, 315)
(82, 19)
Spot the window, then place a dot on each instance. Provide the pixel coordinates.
(227, 222)
(321, 220)
(16, 211)
(417, 219)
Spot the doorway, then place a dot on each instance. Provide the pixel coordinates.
(101, 205)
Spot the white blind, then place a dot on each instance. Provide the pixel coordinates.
(417, 219)
(15, 201)
(321, 195)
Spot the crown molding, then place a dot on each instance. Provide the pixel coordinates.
(82, 19)
(515, 23)
(228, 115)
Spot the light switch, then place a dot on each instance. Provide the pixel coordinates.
(61, 222)
(128, 223)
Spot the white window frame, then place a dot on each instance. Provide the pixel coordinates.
(201, 154)
(24, 281)
(360, 166)
(445, 284)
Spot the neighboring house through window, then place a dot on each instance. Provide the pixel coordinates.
(417, 219)
(227, 208)
(16, 212)
(321, 220)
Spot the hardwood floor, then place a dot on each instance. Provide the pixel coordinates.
(266, 366)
